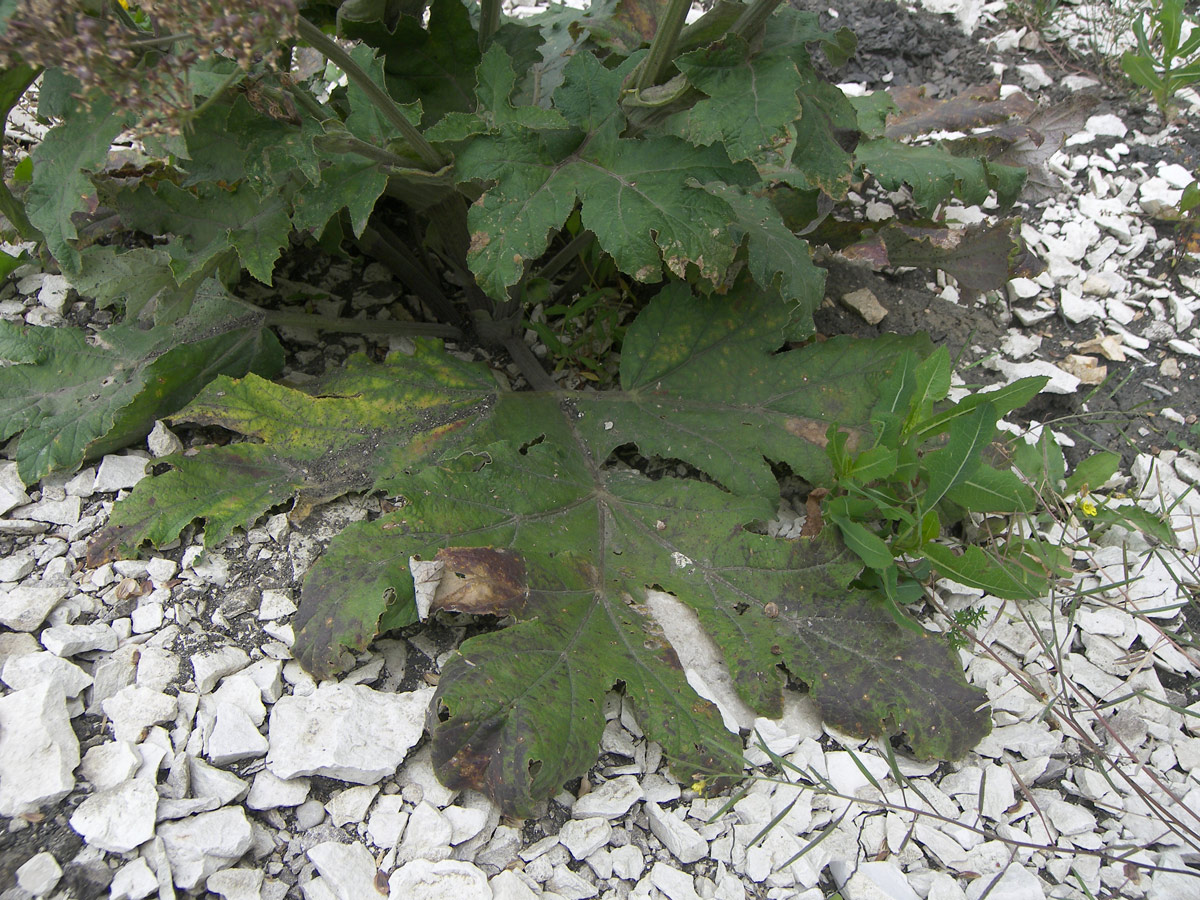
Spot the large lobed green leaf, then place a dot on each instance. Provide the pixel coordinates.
(60, 184)
(519, 711)
(72, 395)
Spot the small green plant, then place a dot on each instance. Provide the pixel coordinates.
(1165, 60)
(1037, 14)
(926, 469)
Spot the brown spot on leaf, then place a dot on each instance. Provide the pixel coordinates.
(479, 240)
(481, 581)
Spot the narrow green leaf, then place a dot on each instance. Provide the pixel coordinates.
(873, 464)
(933, 384)
(952, 464)
(1141, 70)
(1004, 400)
(991, 490)
(874, 553)
(976, 569)
(1137, 519)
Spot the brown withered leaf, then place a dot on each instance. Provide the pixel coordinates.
(916, 113)
(480, 581)
(980, 258)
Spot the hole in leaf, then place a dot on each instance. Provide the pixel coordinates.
(524, 449)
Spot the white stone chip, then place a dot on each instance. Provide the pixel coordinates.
(387, 821)
(234, 737)
(508, 886)
(427, 835)
(351, 805)
(1060, 382)
(108, 765)
(583, 837)
(70, 640)
(53, 293)
(25, 608)
(34, 668)
(878, 881)
(348, 869)
(161, 441)
(56, 512)
(119, 819)
(12, 489)
(135, 708)
(211, 782)
(200, 845)
(213, 665)
(349, 732)
(570, 885)
(270, 792)
(133, 881)
(39, 874)
(628, 862)
(236, 884)
(680, 838)
(120, 472)
(1017, 883)
(465, 822)
(675, 884)
(275, 605)
(16, 567)
(1106, 125)
(610, 800)
(38, 749)
(447, 879)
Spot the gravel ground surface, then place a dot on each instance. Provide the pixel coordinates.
(157, 739)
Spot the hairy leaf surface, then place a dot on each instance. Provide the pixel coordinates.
(209, 221)
(71, 398)
(60, 182)
(634, 193)
(935, 175)
(540, 486)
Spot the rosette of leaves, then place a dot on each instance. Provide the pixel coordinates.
(565, 537)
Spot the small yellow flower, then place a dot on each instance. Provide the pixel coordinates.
(124, 4)
(1088, 507)
(699, 785)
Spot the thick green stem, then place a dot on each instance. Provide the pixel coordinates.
(285, 319)
(381, 243)
(345, 143)
(531, 367)
(754, 17)
(662, 48)
(330, 49)
(489, 22)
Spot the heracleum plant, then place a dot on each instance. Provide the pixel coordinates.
(485, 162)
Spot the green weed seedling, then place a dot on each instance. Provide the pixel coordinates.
(1165, 61)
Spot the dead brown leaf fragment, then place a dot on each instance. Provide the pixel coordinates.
(480, 581)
